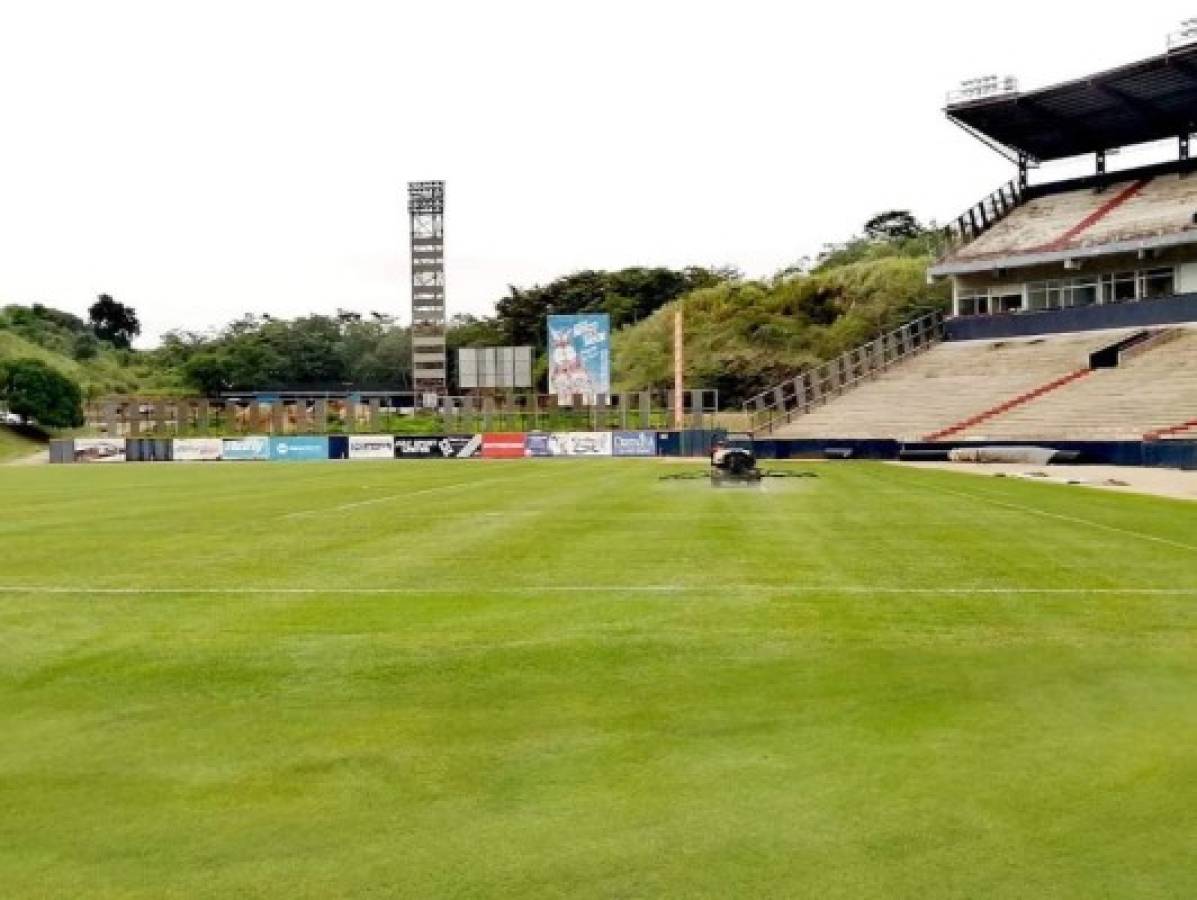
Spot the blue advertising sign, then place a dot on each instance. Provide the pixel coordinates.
(299, 449)
(669, 443)
(634, 443)
(580, 355)
(246, 448)
(538, 443)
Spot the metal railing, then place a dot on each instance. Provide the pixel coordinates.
(979, 218)
(804, 392)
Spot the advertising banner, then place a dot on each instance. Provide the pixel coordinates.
(438, 446)
(538, 443)
(634, 443)
(299, 449)
(246, 448)
(503, 445)
(198, 449)
(99, 450)
(371, 446)
(580, 443)
(580, 355)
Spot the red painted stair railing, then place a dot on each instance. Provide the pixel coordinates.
(1008, 405)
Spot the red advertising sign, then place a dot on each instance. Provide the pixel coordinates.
(503, 445)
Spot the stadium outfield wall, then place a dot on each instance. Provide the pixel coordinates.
(1175, 454)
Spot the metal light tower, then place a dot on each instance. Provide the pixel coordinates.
(426, 205)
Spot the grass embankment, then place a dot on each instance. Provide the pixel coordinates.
(18, 442)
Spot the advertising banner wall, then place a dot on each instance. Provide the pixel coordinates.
(299, 449)
(246, 448)
(198, 449)
(99, 450)
(371, 446)
(634, 443)
(580, 355)
(580, 443)
(503, 445)
(438, 446)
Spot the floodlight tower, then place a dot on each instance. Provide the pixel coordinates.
(426, 206)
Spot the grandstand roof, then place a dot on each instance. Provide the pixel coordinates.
(1144, 101)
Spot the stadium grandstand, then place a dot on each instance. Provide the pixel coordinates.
(1074, 302)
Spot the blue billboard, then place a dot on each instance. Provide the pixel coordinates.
(246, 448)
(580, 355)
(299, 449)
(634, 443)
(538, 443)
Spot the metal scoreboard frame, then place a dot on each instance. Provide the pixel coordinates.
(426, 207)
(501, 368)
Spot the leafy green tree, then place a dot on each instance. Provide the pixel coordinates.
(114, 322)
(33, 390)
(893, 224)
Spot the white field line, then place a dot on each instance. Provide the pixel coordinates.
(594, 589)
(457, 485)
(1075, 520)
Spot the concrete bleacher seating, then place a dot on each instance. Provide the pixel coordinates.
(1165, 205)
(1150, 392)
(1125, 211)
(1037, 223)
(948, 384)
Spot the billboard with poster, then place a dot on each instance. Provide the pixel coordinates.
(371, 446)
(99, 450)
(580, 355)
(580, 443)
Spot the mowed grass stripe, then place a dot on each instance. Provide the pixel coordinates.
(577, 680)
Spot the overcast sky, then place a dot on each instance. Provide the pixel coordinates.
(201, 160)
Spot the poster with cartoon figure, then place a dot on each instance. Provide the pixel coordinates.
(580, 355)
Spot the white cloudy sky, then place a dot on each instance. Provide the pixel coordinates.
(200, 160)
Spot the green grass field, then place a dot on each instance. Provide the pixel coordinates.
(559, 679)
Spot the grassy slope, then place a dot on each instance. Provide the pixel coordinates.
(103, 374)
(746, 337)
(775, 724)
(14, 445)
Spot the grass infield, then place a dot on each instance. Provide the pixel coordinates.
(570, 679)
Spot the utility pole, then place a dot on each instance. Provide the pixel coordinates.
(679, 368)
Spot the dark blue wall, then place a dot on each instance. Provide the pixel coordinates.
(1145, 313)
(1157, 454)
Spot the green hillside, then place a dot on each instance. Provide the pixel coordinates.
(15, 444)
(745, 336)
(67, 344)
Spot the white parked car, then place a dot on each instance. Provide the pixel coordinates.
(10, 418)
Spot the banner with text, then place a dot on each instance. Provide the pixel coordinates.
(246, 448)
(503, 445)
(198, 449)
(371, 446)
(299, 449)
(580, 443)
(438, 446)
(634, 443)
